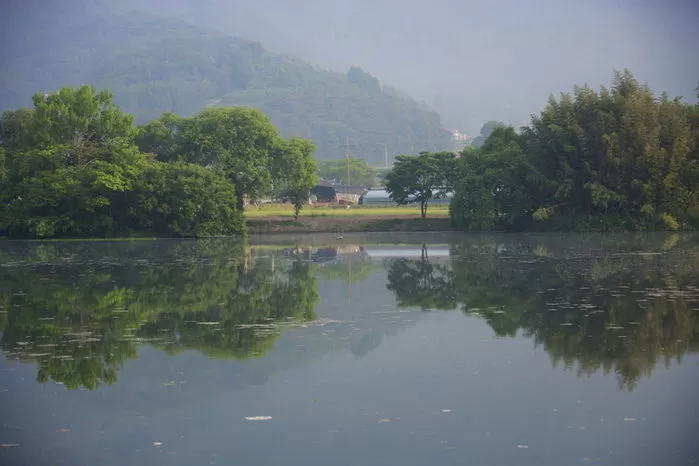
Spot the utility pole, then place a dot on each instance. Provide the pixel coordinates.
(348, 146)
(385, 153)
(349, 183)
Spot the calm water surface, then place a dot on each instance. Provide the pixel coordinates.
(372, 350)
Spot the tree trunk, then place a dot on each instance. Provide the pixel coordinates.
(239, 198)
(239, 194)
(423, 209)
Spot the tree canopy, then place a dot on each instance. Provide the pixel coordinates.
(242, 144)
(421, 178)
(75, 165)
(618, 158)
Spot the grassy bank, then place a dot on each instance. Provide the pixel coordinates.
(341, 219)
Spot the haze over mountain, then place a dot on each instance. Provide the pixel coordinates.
(155, 65)
(473, 60)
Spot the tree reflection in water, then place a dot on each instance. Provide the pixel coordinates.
(81, 309)
(594, 303)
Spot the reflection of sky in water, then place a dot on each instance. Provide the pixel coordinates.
(368, 382)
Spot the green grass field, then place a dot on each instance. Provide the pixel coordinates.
(286, 210)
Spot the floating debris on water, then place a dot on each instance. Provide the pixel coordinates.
(258, 418)
(630, 419)
(446, 410)
(522, 446)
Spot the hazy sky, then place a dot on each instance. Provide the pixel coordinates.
(473, 60)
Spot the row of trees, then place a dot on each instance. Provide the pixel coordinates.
(620, 158)
(76, 165)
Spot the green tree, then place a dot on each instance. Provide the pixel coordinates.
(421, 178)
(619, 154)
(15, 129)
(71, 167)
(65, 163)
(160, 137)
(360, 173)
(180, 199)
(493, 184)
(294, 171)
(238, 141)
(83, 118)
(620, 158)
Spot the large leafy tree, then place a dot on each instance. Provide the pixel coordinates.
(421, 178)
(238, 141)
(294, 171)
(618, 153)
(66, 160)
(182, 199)
(494, 181)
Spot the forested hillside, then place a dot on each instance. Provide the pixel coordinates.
(155, 65)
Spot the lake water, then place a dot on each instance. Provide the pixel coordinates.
(371, 350)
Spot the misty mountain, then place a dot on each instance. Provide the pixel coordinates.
(471, 60)
(155, 65)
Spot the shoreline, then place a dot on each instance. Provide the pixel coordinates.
(349, 224)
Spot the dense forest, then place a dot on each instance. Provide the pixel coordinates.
(617, 158)
(75, 165)
(155, 65)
